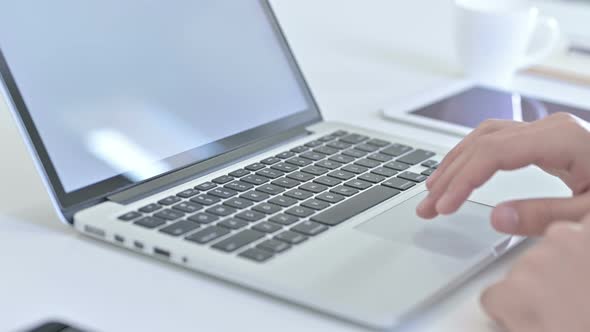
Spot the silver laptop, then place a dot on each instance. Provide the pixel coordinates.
(185, 131)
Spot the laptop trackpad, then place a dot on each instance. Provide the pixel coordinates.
(462, 235)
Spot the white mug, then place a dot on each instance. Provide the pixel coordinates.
(493, 37)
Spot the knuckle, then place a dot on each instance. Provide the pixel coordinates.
(563, 117)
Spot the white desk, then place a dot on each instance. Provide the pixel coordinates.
(357, 55)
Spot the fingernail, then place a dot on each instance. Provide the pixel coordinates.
(506, 218)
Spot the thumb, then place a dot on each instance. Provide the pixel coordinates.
(531, 216)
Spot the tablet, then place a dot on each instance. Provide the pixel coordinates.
(459, 108)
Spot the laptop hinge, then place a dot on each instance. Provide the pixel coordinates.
(194, 171)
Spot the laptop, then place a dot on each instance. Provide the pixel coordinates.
(186, 131)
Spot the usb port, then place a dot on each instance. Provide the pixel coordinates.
(161, 252)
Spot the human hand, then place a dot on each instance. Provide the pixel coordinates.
(559, 144)
(547, 289)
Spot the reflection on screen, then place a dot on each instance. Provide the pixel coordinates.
(117, 86)
(471, 107)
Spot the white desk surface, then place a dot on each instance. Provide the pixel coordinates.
(358, 55)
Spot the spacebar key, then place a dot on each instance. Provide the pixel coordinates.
(355, 205)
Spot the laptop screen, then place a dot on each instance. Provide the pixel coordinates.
(137, 88)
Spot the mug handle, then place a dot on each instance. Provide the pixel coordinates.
(550, 25)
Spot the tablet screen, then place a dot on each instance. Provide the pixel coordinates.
(471, 107)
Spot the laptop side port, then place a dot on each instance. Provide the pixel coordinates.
(161, 252)
(94, 231)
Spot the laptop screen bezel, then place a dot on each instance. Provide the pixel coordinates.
(100, 190)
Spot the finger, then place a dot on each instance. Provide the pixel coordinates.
(532, 216)
(488, 126)
(494, 301)
(509, 150)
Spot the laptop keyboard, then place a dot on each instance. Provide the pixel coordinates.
(280, 202)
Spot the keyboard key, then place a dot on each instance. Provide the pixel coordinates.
(284, 167)
(313, 187)
(239, 173)
(358, 184)
(366, 147)
(283, 201)
(255, 167)
(412, 177)
(284, 219)
(238, 203)
(383, 171)
(239, 186)
(233, 223)
(255, 179)
(379, 142)
(208, 234)
(180, 228)
(367, 163)
(267, 227)
(299, 176)
(239, 240)
(329, 164)
(353, 139)
(354, 153)
(256, 255)
(309, 228)
(150, 208)
(150, 222)
(312, 156)
(169, 214)
(222, 192)
(221, 210)
(205, 199)
(285, 155)
(286, 183)
(291, 237)
(255, 196)
(223, 179)
(397, 166)
(430, 163)
(270, 173)
(301, 162)
(328, 181)
(299, 149)
(187, 207)
(328, 138)
(203, 218)
(345, 191)
(355, 205)
(373, 178)
(270, 189)
(338, 145)
(315, 170)
(270, 161)
(206, 186)
(396, 150)
(380, 157)
(130, 216)
(169, 200)
(339, 133)
(330, 197)
(298, 194)
(399, 184)
(267, 208)
(300, 212)
(314, 144)
(187, 193)
(325, 150)
(273, 246)
(250, 215)
(416, 157)
(315, 204)
(340, 158)
(428, 172)
(341, 175)
(356, 169)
